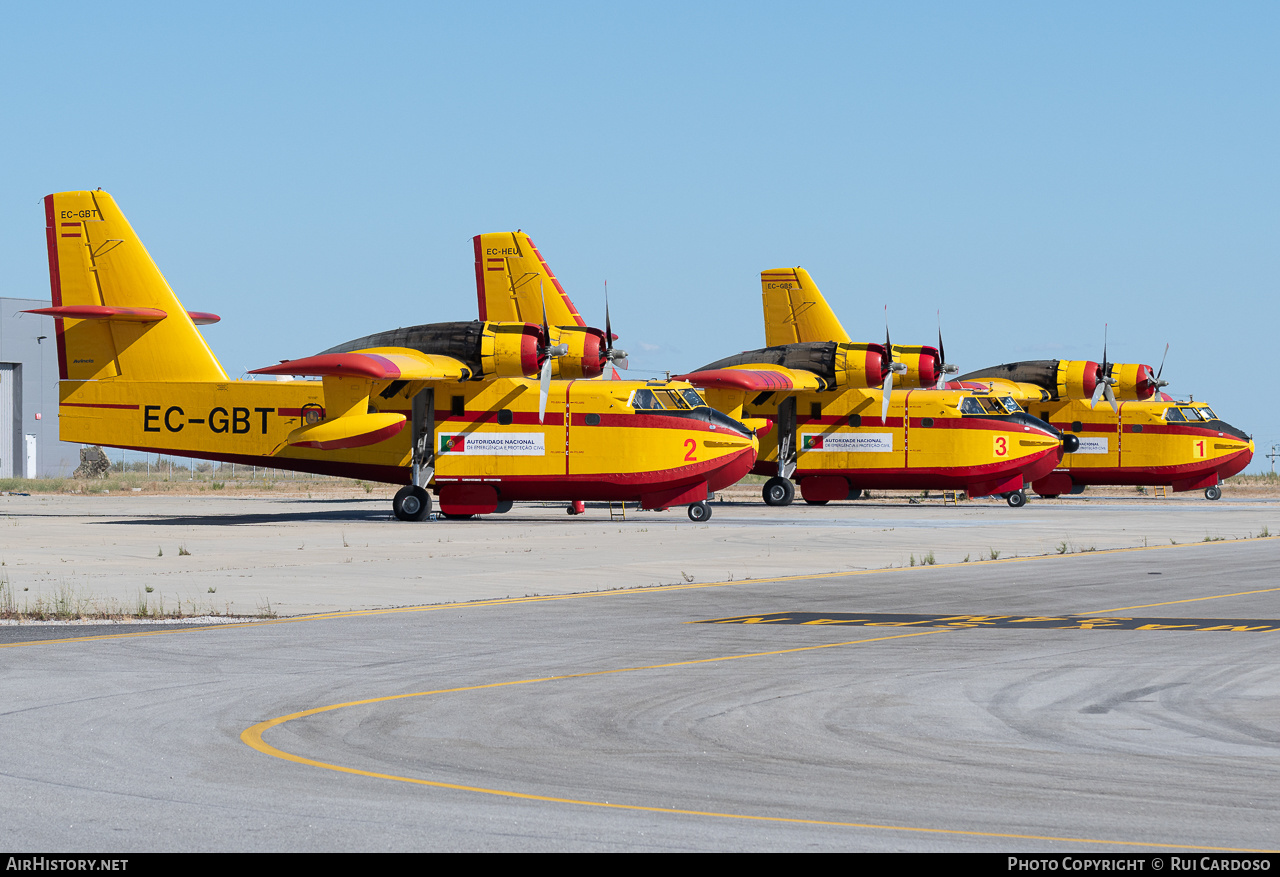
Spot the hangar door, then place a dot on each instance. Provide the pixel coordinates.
(10, 419)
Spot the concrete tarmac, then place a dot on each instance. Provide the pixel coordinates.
(298, 556)
(1009, 707)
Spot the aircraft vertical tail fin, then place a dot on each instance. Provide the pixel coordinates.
(513, 280)
(795, 311)
(116, 315)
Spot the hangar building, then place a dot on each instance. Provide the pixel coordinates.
(29, 446)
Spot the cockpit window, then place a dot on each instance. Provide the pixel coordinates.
(1192, 413)
(991, 406)
(969, 405)
(644, 400)
(1009, 405)
(695, 401)
(1173, 415)
(672, 400)
(1208, 413)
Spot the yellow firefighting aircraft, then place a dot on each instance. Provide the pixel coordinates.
(482, 433)
(841, 426)
(1142, 437)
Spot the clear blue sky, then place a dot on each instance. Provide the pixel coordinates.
(314, 172)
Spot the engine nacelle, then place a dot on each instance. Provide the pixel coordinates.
(1134, 382)
(924, 366)
(1077, 378)
(510, 350)
(586, 356)
(860, 366)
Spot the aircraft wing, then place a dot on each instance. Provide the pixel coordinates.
(513, 280)
(795, 311)
(377, 364)
(754, 378)
(1022, 393)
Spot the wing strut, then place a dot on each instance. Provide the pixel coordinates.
(424, 430)
(787, 437)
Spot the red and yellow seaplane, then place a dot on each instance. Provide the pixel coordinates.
(841, 416)
(484, 413)
(1141, 437)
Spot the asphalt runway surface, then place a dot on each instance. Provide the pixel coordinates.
(998, 706)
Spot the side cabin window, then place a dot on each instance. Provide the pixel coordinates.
(457, 406)
(970, 405)
(1191, 413)
(1173, 415)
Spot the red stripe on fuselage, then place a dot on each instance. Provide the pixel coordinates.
(97, 405)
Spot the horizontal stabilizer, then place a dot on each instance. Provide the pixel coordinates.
(754, 379)
(102, 312)
(352, 431)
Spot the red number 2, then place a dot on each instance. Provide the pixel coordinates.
(692, 445)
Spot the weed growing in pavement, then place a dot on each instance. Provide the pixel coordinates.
(928, 560)
(993, 554)
(183, 552)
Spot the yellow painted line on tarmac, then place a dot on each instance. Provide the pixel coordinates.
(1188, 600)
(649, 589)
(252, 737)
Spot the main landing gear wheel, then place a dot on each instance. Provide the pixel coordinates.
(1214, 492)
(1017, 499)
(699, 512)
(779, 491)
(412, 503)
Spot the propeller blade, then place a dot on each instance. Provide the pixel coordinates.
(1097, 394)
(622, 362)
(1111, 397)
(544, 388)
(942, 355)
(886, 393)
(608, 329)
(1160, 383)
(546, 328)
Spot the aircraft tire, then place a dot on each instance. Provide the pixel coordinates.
(1214, 492)
(817, 501)
(699, 512)
(1017, 499)
(412, 503)
(779, 491)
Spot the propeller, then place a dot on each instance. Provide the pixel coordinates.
(612, 355)
(546, 353)
(1105, 381)
(944, 368)
(894, 367)
(1157, 382)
